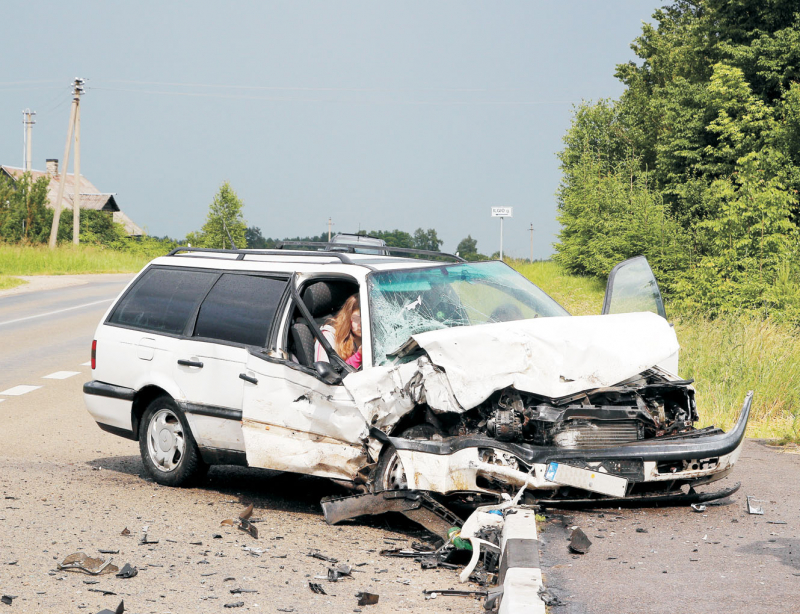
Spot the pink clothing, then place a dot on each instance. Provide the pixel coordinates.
(320, 355)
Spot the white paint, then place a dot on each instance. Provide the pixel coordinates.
(19, 390)
(52, 313)
(86, 364)
(554, 357)
(61, 375)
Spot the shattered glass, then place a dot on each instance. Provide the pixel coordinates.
(409, 302)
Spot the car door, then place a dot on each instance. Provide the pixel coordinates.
(212, 359)
(292, 420)
(632, 287)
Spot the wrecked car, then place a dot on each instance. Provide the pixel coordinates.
(474, 381)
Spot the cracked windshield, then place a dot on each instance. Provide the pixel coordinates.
(409, 302)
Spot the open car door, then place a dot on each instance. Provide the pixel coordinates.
(632, 287)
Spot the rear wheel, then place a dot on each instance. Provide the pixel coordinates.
(168, 450)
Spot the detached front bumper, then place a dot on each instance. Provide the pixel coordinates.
(476, 463)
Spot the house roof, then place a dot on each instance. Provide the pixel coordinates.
(91, 197)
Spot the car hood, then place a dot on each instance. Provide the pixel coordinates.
(552, 357)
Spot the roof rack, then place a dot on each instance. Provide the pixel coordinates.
(350, 248)
(262, 252)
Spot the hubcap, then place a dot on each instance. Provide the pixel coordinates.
(395, 476)
(166, 442)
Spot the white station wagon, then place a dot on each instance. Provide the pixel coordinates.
(474, 381)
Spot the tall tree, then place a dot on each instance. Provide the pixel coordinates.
(224, 216)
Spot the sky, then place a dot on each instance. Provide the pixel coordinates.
(379, 115)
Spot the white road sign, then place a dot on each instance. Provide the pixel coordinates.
(502, 211)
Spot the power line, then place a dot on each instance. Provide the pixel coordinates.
(341, 100)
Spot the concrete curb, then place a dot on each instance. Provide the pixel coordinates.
(520, 571)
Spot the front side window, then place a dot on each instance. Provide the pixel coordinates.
(240, 309)
(163, 300)
(408, 302)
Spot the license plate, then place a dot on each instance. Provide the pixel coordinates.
(595, 481)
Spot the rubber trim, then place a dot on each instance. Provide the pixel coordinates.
(220, 456)
(225, 413)
(101, 389)
(115, 430)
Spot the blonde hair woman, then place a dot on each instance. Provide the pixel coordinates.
(343, 332)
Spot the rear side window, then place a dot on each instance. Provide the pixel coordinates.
(163, 300)
(240, 309)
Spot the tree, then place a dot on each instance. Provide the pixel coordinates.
(427, 240)
(225, 212)
(24, 216)
(394, 238)
(254, 238)
(468, 249)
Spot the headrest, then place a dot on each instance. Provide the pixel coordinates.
(323, 298)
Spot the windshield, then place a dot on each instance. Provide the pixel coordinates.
(404, 303)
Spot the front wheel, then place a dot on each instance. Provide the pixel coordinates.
(389, 472)
(168, 450)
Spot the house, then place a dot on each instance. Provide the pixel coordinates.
(91, 197)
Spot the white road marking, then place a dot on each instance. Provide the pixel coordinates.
(61, 375)
(19, 390)
(51, 313)
(1, 400)
(86, 364)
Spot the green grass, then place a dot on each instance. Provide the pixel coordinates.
(7, 282)
(726, 356)
(68, 260)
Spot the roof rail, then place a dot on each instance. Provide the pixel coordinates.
(261, 252)
(350, 248)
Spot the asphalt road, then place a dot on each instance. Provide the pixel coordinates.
(66, 486)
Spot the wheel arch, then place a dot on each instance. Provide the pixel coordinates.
(143, 397)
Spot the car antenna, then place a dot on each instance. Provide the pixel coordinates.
(230, 238)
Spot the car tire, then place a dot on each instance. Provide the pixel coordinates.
(168, 449)
(389, 472)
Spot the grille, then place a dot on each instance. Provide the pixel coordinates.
(589, 435)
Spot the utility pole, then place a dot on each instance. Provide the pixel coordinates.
(330, 223)
(531, 229)
(27, 122)
(76, 201)
(77, 92)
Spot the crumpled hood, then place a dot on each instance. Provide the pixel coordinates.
(553, 357)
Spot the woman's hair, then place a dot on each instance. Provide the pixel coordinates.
(342, 329)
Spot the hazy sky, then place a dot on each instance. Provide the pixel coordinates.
(380, 115)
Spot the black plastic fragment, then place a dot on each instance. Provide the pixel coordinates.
(248, 527)
(127, 571)
(235, 604)
(316, 588)
(316, 554)
(641, 530)
(108, 551)
(579, 542)
(549, 598)
(100, 590)
(237, 591)
(7, 599)
(120, 609)
(367, 598)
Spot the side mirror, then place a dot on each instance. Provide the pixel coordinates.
(326, 372)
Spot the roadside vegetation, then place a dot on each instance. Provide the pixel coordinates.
(726, 356)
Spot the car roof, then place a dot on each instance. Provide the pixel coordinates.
(286, 260)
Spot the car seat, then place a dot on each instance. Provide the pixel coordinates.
(323, 299)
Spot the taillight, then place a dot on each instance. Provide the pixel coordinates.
(94, 354)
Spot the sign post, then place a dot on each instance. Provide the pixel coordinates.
(502, 212)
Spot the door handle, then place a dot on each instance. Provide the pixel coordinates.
(248, 378)
(190, 363)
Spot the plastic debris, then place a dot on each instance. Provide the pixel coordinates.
(549, 599)
(236, 604)
(7, 599)
(80, 561)
(108, 551)
(579, 542)
(100, 590)
(127, 571)
(642, 530)
(453, 593)
(698, 507)
(367, 598)
(316, 554)
(316, 588)
(245, 515)
(237, 591)
(126, 531)
(754, 509)
(120, 609)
